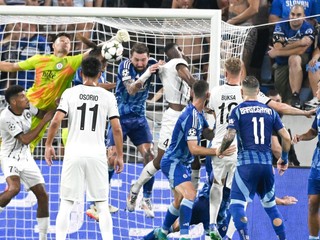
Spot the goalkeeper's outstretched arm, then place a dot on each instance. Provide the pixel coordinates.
(121, 36)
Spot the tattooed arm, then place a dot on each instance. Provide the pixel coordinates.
(227, 140)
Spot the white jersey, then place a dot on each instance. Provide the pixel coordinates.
(222, 100)
(175, 89)
(11, 125)
(87, 108)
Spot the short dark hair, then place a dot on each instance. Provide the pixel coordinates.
(272, 93)
(12, 91)
(251, 82)
(62, 34)
(139, 48)
(91, 66)
(169, 46)
(200, 88)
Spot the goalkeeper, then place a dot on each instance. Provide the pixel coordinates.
(54, 74)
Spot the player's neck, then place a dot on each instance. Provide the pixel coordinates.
(89, 83)
(16, 111)
(249, 98)
(198, 104)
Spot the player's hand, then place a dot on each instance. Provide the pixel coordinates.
(48, 154)
(310, 113)
(118, 164)
(228, 152)
(122, 36)
(289, 200)
(281, 166)
(138, 84)
(296, 139)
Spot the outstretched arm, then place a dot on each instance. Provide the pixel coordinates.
(286, 109)
(227, 140)
(9, 67)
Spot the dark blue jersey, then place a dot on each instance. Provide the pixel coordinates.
(316, 154)
(131, 104)
(282, 8)
(283, 30)
(254, 123)
(188, 127)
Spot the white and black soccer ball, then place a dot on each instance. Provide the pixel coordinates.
(112, 51)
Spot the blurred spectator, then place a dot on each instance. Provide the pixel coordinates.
(276, 139)
(292, 46)
(313, 69)
(195, 48)
(31, 44)
(280, 9)
(84, 29)
(242, 13)
(142, 3)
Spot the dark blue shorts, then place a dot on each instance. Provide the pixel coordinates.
(253, 179)
(176, 172)
(136, 128)
(314, 182)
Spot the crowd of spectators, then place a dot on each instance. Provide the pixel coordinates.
(291, 47)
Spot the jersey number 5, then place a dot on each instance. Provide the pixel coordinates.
(94, 110)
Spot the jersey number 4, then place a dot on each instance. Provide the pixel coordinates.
(94, 110)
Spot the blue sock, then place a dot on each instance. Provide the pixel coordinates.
(185, 215)
(147, 188)
(171, 216)
(274, 213)
(111, 172)
(238, 213)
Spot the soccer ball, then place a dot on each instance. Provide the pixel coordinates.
(112, 51)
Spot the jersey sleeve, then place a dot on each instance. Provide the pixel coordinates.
(113, 107)
(124, 71)
(63, 104)
(233, 121)
(190, 129)
(29, 63)
(263, 98)
(315, 120)
(11, 126)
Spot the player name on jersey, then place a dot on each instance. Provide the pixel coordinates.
(228, 97)
(255, 109)
(90, 97)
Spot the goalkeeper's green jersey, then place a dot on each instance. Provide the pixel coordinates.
(53, 76)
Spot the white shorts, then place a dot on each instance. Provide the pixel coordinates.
(169, 119)
(26, 169)
(223, 167)
(82, 174)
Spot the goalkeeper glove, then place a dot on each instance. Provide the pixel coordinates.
(122, 36)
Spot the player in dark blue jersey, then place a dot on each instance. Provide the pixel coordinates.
(314, 177)
(176, 162)
(253, 123)
(133, 82)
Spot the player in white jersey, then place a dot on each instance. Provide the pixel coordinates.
(17, 162)
(222, 100)
(177, 80)
(85, 161)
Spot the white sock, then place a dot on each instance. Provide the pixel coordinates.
(147, 173)
(195, 178)
(105, 220)
(215, 201)
(313, 237)
(43, 224)
(63, 219)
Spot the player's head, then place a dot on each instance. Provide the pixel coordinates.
(139, 56)
(250, 87)
(62, 44)
(91, 68)
(172, 50)
(297, 11)
(274, 95)
(233, 67)
(201, 90)
(16, 97)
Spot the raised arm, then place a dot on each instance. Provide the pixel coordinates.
(9, 67)
(185, 75)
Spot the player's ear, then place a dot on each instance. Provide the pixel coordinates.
(207, 95)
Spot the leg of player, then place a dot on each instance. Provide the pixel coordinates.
(313, 216)
(63, 219)
(147, 173)
(240, 219)
(43, 209)
(195, 173)
(146, 203)
(105, 220)
(276, 219)
(215, 202)
(12, 190)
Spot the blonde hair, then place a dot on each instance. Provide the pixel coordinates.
(233, 65)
